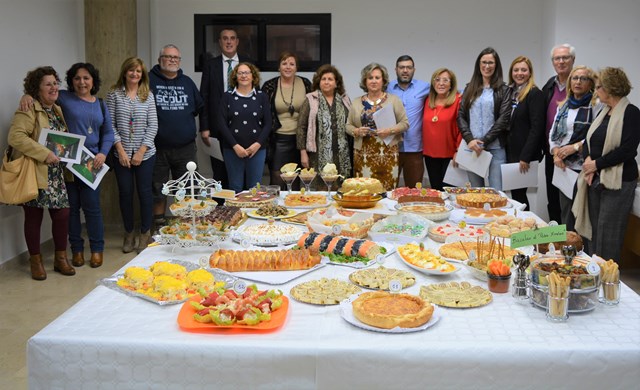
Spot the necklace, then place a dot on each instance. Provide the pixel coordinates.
(291, 109)
(89, 117)
(377, 101)
(436, 113)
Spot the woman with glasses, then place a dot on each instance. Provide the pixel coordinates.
(244, 121)
(484, 114)
(527, 121)
(572, 120)
(133, 111)
(607, 183)
(440, 134)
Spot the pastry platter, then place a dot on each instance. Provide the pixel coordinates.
(323, 291)
(456, 295)
(379, 278)
(254, 214)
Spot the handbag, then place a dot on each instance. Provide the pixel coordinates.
(18, 183)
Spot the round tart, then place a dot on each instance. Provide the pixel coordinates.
(379, 278)
(385, 310)
(454, 294)
(479, 200)
(482, 213)
(324, 291)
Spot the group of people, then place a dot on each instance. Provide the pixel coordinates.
(396, 128)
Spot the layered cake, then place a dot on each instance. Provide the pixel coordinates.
(224, 216)
(359, 186)
(249, 200)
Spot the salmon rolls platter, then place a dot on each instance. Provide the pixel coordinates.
(356, 253)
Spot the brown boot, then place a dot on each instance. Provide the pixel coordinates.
(37, 270)
(61, 264)
(143, 241)
(96, 259)
(129, 243)
(77, 259)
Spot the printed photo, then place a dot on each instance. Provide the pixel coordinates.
(65, 146)
(85, 171)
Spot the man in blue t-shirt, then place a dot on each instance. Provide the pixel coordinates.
(178, 102)
(413, 93)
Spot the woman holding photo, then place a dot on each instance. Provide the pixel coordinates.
(85, 115)
(42, 85)
(132, 107)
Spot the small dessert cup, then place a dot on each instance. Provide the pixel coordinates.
(306, 179)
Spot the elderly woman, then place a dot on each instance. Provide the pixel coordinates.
(376, 150)
(286, 95)
(609, 174)
(483, 118)
(245, 124)
(42, 85)
(572, 120)
(322, 134)
(527, 121)
(440, 134)
(132, 107)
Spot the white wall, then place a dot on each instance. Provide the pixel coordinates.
(435, 33)
(32, 33)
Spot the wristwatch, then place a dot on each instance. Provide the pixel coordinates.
(576, 146)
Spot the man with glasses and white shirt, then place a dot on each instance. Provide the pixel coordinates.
(214, 83)
(413, 93)
(178, 102)
(554, 91)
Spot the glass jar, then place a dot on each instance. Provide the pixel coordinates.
(498, 284)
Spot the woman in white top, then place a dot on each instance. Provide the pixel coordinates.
(133, 112)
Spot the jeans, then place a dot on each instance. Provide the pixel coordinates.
(142, 176)
(244, 173)
(81, 196)
(171, 161)
(495, 172)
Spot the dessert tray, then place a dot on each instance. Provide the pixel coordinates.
(323, 291)
(267, 234)
(402, 228)
(346, 312)
(425, 261)
(428, 210)
(456, 295)
(306, 201)
(112, 283)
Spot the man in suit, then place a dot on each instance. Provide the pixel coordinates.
(554, 91)
(214, 83)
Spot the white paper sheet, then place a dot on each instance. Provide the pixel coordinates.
(457, 177)
(214, 150)
(513, 179)
(385, 118)
(471, 161)
(564, 180)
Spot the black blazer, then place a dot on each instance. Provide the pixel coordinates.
(527, 128)
(212, 89)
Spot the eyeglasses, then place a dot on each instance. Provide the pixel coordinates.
(441, 80)
(487, 63)
(170, 58)
(583, 79)
(244, 73)
(561, 58)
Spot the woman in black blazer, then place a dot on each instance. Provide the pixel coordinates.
(526, 127)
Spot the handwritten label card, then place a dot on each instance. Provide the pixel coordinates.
(539, 236)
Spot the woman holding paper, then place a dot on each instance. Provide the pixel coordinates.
(376, 149)
(527, 121)
(133, 110)
(440, 134)
(484, 114)
(606, 186)
(572, 120)
(42, 85)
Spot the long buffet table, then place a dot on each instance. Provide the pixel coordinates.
(110, 340)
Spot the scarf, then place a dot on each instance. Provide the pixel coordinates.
(611, 177)
(313, 99)
(330, 123)
(582, 121)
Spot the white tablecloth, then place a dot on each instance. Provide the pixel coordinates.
(110, 341)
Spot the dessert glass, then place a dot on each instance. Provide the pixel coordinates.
(329, 179)
(289, 178)
(306, 179)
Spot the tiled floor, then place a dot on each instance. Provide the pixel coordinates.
(27, 305)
